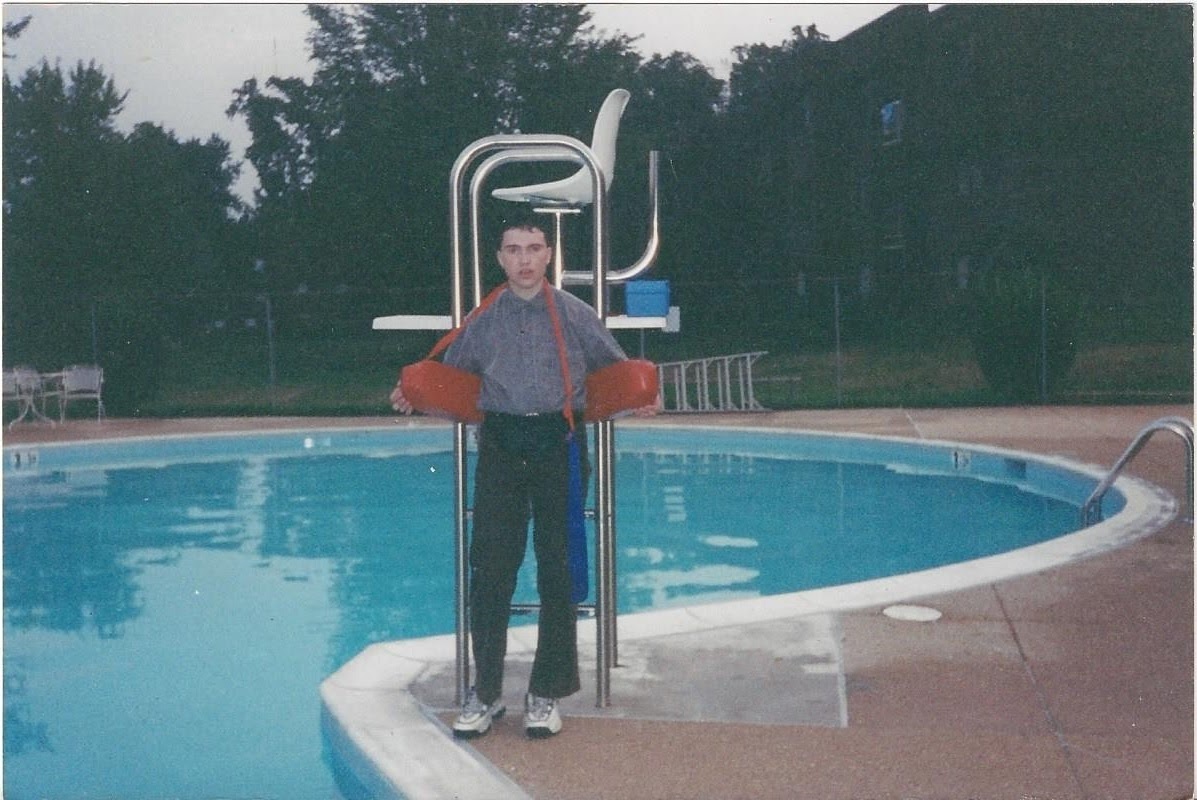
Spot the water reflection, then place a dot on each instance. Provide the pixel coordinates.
(165, 601)
(62, 570)
(673, 544)
(21, 733)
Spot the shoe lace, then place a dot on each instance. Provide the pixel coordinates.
(473, 705)
(540, 707)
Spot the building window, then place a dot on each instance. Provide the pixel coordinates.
(891, 122)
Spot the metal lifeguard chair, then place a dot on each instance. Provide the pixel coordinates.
(526, 148)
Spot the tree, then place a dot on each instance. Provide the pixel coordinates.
(12, 30)
(768, 134)
(355, 164)
(97, 221)
(59, 139)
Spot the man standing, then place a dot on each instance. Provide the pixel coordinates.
(523, 472)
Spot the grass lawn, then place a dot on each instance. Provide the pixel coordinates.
(353, 378)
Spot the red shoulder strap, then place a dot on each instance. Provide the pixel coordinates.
(562, 354)
(448, 338)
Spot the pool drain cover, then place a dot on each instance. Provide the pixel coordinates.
(912, 613)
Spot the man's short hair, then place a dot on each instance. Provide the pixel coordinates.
(519, 224)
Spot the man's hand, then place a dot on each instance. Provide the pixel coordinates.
(650, 410)
(398, 401)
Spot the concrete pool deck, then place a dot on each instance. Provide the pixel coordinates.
(1076, 682)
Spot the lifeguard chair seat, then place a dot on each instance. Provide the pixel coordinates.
(578, 189)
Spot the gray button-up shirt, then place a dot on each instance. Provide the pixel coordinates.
(512, 347)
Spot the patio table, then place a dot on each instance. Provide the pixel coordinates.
(31, 389)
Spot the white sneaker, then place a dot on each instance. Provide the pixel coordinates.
(541, 718)
(476, 716)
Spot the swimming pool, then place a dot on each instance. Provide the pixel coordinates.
(172, 604)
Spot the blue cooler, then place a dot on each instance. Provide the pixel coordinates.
(647, 298)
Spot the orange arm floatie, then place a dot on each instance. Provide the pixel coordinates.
(622, 386)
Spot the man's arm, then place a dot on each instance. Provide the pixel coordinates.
(600, 347)
(598, 343)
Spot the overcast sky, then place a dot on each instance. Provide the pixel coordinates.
(181, 62)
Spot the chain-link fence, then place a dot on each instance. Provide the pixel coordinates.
(828, 344)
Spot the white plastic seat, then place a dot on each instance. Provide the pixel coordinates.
(578, 189)
(81, 382)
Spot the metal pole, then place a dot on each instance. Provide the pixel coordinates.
(270, 348)
(604, 545)
(602, 598)
(95, 336)
(612, 566)
(558, 249)
(461, 563)
(839, 359)
(1043, 338)
(460, 551)
(651, 248)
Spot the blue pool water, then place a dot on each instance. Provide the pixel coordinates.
(171, 606)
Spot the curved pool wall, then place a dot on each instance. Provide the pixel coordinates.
(400, 749)
(394, 744)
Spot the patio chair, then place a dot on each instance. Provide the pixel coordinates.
(11, 392)
(10, 387)
(81, 382)
(27, 387)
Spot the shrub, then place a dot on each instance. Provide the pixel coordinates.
(1009, 337)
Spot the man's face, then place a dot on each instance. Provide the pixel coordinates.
(524, 255)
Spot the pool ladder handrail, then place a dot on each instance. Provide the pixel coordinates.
(1091, 510)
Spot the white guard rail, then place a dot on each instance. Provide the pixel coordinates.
(717, 383)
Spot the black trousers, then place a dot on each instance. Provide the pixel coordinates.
(522, 476)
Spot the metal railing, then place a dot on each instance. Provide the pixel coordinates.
(1091, 510)
(534, 148)
(717, 383)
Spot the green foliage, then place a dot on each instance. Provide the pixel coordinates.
(132, 353)
(350, 374)
(1023, 330)
(91, 212)
(354, 165)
